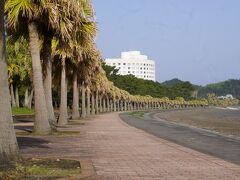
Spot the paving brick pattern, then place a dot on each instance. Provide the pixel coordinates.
(118, 151)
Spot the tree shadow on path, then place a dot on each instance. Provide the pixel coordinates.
(26, 142)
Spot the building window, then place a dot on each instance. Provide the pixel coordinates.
(128, 67)
(124, 63)
(114, 64)
(119, 64)
(129, 72)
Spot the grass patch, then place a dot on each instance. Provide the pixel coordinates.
(139, 114)
(65, 133)
(42, 169)
(22, 111)
(76, 122)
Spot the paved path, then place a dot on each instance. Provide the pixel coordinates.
(118, 151)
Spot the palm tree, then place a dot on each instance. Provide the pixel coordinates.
(78, 48)
(64, 55)
(63, 117)
(41, 124)
(28, 13)
(48, 18)
(93, 111)
(83, 90)
(88, 101)
(42, 18)
(8, 142)
(67, 18)
(47, 57)
(75, 107)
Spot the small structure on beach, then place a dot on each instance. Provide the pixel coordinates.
(228, 96)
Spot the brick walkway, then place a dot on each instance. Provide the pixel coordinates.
(118, 151)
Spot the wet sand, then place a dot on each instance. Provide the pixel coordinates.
(223, 121)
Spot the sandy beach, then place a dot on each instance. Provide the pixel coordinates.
(222, 120)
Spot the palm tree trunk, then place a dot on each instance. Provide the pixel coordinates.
(75, 108)
(17, 97)
(108, 104)
(8, 141)
(41, 124)
(100, 104)
(111, 105)
(48, 79)
(12, 96)
(26, 98)
(131, 105)
(93, 104)
(118, 105)
(121, 105)
(30, 98)
(63, 118)
(88, 102)
(114, 105)
(83, 101)
(125, 105)
(97, 109)
(104, 104)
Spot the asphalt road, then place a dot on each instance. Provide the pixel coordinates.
(204, 141)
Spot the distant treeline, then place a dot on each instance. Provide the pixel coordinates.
(231, 86)
(172, 88)
(138, 86)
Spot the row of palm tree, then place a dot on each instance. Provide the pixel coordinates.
(103, 96)
(62, 30)
(60, 35)
(8, 142)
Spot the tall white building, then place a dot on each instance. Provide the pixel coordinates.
(134, 63)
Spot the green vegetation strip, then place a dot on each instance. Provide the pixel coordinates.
(139, 114)
(22, 111)
(57, 133)
(41, 169)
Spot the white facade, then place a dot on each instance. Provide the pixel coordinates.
(134, 63)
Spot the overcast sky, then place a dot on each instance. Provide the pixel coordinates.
(193, 40)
